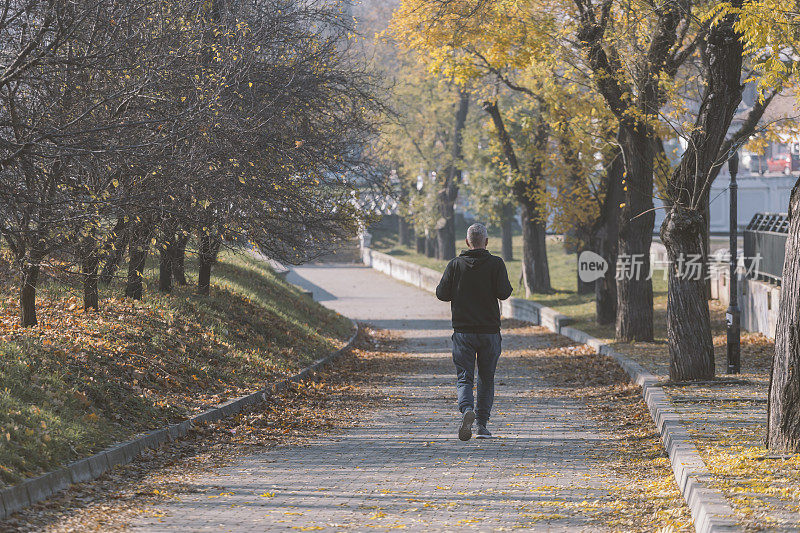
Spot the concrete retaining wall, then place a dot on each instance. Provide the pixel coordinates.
(758, 302)
(428, 279)
(535, 313)
(424, 278)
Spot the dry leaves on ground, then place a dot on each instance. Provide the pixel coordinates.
(632, 447)
(335, 399)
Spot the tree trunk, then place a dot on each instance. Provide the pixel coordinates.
(89, 264)
(688, 321)
(430, 246)
(119, 242)
(445, 246)
(207, 256)
(605, 289)
(110, 251)
(137, 252)
(783, 409)
(706, 236)
(634, 286)
(606, 242)
(204, 278)
(402, 231)
(506, 228)
(27, 296)
(445, 227)
(420, 243)
(636, 115)
(179, 260)
(166, 260)
(606, 238)
(535, 269)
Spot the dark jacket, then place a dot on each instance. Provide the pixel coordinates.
(472, 283)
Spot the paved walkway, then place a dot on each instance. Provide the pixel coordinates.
(404, 467)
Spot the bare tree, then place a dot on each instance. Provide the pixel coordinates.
(125, 123)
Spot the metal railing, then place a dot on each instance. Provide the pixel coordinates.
(765, 246)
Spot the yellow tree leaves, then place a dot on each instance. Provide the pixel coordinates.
(769, 31)
(516, 51)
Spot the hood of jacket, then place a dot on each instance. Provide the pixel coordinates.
(474, 258)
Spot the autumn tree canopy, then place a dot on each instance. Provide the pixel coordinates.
(604, 93)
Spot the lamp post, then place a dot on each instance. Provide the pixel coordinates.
(732, 316)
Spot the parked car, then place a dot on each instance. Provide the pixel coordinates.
(780, 163)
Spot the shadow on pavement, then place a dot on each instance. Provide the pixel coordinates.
(320, 294)
(411, 324)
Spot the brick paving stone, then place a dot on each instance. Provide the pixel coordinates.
(404, 466)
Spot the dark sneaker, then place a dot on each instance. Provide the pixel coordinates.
(482, 432)
(465, 431)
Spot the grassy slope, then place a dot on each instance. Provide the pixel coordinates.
(80, 382)
(563, 278)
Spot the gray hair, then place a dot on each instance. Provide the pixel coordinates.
(477, 236)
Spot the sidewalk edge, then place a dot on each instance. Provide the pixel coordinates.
(34, 490)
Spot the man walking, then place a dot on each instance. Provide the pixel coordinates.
(472, 283)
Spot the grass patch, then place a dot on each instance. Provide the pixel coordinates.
(79, 381)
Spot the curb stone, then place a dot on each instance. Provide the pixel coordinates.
(31, 491)
(278, 268)
(711, 512)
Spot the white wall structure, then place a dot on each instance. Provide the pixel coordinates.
(757, 194)
(758, 301)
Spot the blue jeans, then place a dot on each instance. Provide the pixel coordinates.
(467, 348)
